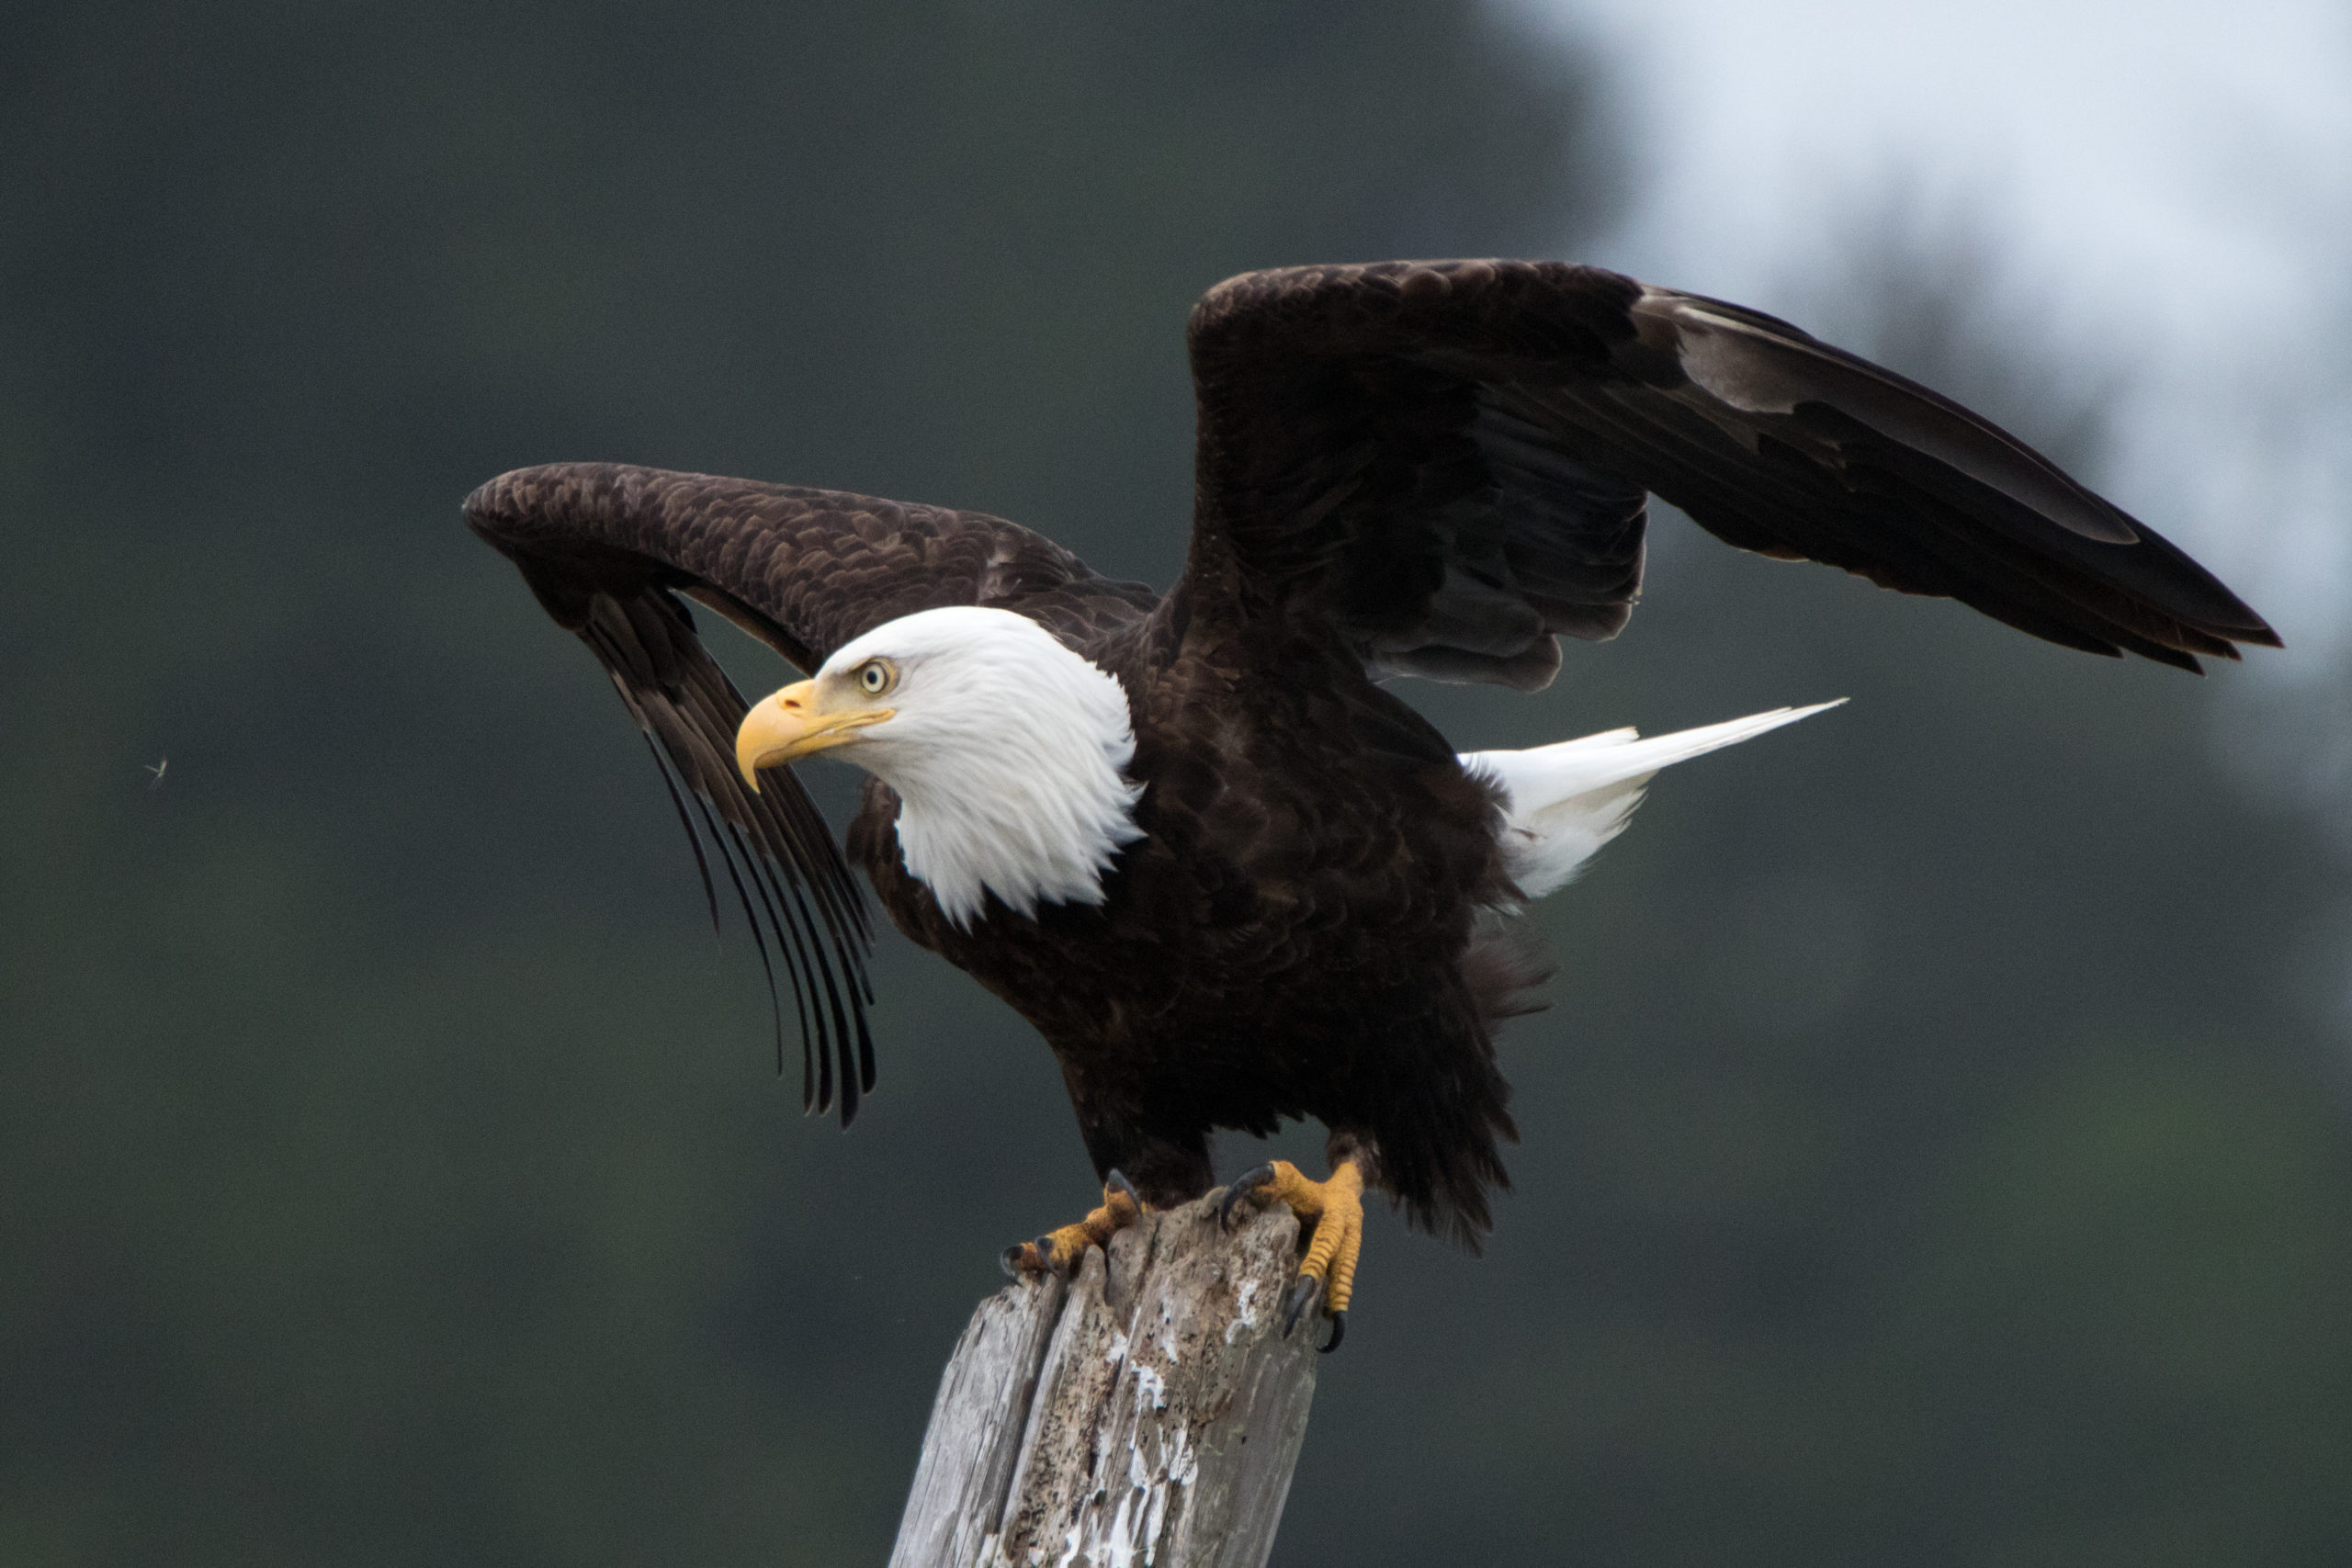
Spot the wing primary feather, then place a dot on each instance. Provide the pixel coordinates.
(803, 928)
(751, 918)
(789, 823)
(849, 1023)
(764, 877)
(787, 938)
(842, 914)
(788, 935)
(837, 1042)
(837, 900)
(808, 960)
(865, 1045)
(824, 1033)
(790, 820)
(789, 831)
(789, 909)
(685, 740)
(693, 840)
(817, 1044)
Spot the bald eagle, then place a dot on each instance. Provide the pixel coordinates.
(1188, 835)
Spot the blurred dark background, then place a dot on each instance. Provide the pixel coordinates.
(1936, 1153)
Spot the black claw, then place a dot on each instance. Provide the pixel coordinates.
(1117, 1182)
(1338, 1332)
(1308, 1291)
(1010, 1261)
(1248, 1183)
(1045, 1246)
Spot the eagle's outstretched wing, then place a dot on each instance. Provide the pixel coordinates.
(1450, 459)
(609, 548)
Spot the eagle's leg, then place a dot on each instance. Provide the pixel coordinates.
(1335, 1211)
(1061, 1250)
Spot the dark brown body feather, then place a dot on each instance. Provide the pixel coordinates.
(1428, 468)
(1286, 940)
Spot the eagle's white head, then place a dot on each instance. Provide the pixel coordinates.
(1007, 750)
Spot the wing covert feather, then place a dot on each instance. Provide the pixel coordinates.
(610, 549)
(1451, 460)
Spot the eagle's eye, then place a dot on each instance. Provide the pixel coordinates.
(876, 677)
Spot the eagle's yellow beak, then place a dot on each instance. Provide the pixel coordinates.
(790, 725)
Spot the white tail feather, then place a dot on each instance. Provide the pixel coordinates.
(1566, 800)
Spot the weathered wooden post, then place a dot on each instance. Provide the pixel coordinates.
(1148, 1412)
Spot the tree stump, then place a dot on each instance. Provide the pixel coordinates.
(1148, 1411)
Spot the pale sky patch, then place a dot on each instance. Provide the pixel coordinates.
(2172, 177)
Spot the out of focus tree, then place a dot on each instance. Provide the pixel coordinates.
(388, 1168)
(1932, 1155)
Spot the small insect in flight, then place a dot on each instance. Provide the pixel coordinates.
(156, 769)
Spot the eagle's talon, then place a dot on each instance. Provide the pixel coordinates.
(1027, 1259)
(1301, 1295)
(1246, 1187)
(1062, 1251)
(1332, 1215)
(1338, 1332)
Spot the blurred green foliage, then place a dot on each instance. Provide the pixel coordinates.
(1936, 1154)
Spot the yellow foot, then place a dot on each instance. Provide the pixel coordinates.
(1335, 1210)
(1060, 1251)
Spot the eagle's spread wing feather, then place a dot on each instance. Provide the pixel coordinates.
(1450, 458)
(609, 548)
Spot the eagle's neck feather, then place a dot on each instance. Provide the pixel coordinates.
(1009, 755)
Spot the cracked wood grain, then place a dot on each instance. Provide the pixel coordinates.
(1148, 1414)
